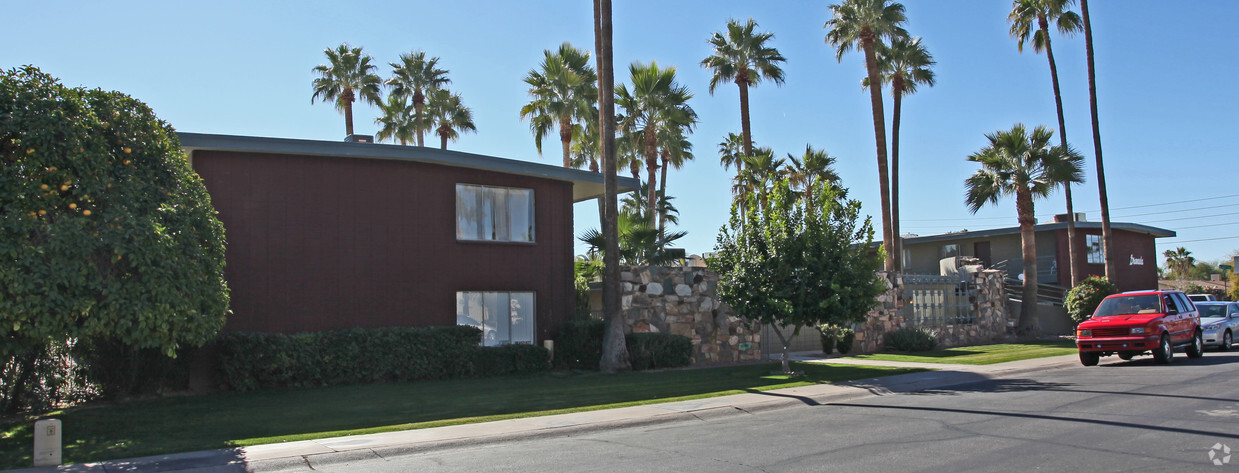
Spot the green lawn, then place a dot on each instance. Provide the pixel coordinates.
(981, 355)
(189, 423)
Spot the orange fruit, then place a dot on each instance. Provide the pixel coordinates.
(73, 206)
(86, 213)
(127, 150)
(126, 162)
(64, 188)
(43, 187)
(31, 150)
(42, 212)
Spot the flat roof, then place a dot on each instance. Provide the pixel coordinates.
(586, 185)
(1044, 227)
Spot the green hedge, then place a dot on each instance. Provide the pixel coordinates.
(911, 339)
(265, 360)
(1083, 299)
(579, 346)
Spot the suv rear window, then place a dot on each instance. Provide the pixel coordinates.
(1128, 305)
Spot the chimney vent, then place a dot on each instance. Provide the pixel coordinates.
(359, 139)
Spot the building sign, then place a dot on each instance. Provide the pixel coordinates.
(1137, 261)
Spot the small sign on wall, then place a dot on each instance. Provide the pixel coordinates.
(1136, 261)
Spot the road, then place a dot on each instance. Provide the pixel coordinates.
(1120, 416)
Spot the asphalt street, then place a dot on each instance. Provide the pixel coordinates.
(1120, 416)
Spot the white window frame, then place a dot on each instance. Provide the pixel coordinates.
(1095, 254)
(491, 226)
(494, 326)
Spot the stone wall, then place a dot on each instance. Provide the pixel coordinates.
(991, 323)
(684, 301)
(885, 317)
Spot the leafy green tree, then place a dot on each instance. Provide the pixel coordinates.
(655, 102)
(397, 122)
(742, 56)
(1179, 262)
(347, 77)
(1083, 299)
(785, 267)
(1030, 20)
(565, 92)
(904, 64)
(414, 77)
(449, 115)
(861, 24)
(1023, 165)
(106, 230)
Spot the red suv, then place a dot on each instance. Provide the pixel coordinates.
(1133, 323)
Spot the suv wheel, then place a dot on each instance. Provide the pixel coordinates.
(1164, 352)
(1227, 340)
(1197, 348)
(1089, 358)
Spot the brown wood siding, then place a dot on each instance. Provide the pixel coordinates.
(318, 243)
(1126, 244)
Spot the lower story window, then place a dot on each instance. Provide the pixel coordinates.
(504, 317)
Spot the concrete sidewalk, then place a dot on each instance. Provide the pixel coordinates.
(304, 455)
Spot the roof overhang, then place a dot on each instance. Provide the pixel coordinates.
(585, 185)
(1045, 227)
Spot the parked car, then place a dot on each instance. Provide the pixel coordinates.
(1202, 297)
(1134, 323)
(1220, 323)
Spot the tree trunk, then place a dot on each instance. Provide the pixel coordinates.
(1028, 325)
(787, 367)
(443, 139)
(1062, 136)
(565, 138)
(614, 350)
(662, 194)
(419, 101)
(1106, 235)
(742, 80)
(651, 165)
(879, 136)
(347, 98)
(897, 90)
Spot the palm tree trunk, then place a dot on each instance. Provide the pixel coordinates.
(1028, 325)
(897, 89)
(348, 112)
(442, 140)
(614, 350)
(1106, 235)
(743, 82)
(662, 194)
(879, 136)
(651, 165)
(419, 101)
(565, 138)
(1062, 136)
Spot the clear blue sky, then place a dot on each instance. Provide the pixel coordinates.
(1164, 69)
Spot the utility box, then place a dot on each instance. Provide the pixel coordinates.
(47, 442)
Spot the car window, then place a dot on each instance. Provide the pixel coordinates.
(1185, 305)
(1172, 306)
(1128, 305)
(1212, 310)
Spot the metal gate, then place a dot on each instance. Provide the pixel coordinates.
(939, 300)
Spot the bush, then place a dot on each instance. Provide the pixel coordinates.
(120, 370)
(846, 338)
(42, 380)
(579, 345)
(265, 360)
(829, 336)
(911, 339)
(1083, 299)
(648, 351)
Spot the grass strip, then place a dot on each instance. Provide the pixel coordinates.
(981, 355)
(189, 423)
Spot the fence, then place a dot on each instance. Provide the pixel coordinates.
(939, 300)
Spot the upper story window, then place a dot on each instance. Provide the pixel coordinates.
(486, 213)
(949, 250)
(1092, 244)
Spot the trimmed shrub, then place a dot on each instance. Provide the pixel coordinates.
(647, 351)
(1083, 299)
(579, 345)
(829, 336)
(265, 360)
(847, 337)
(911, 339)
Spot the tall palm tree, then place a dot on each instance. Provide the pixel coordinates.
(347, 77)
(614, 350)
(585, 152)
(742, 56)
(904, 64)
(415, 77)
(1016, 163)
(397, 121)
(449, 115)
(655, 101)
(565, 91)
(813, 167)
(1106, 233)
(1030, 20)
(860, 24)
(731, 151)
(675, 150)
(1180, 262)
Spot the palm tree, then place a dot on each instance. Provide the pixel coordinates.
(731, 151)
(904, 64)
(449, 115)
(860, 24)
(397, 121)
(813, 167)
(760, 172)
(1106, 234)
(742, 56)
(1031, 19)
(347, 77)
(415, 77)
(639, 242)
(1026, 166)
(656, 101)
(565, 92)
(614, 350)
(585, 152)
(1180, 262)
(675, 151)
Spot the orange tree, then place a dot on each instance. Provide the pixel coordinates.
(106, 233)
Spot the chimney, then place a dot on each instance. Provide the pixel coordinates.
(1062, 218)
(359, 138)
